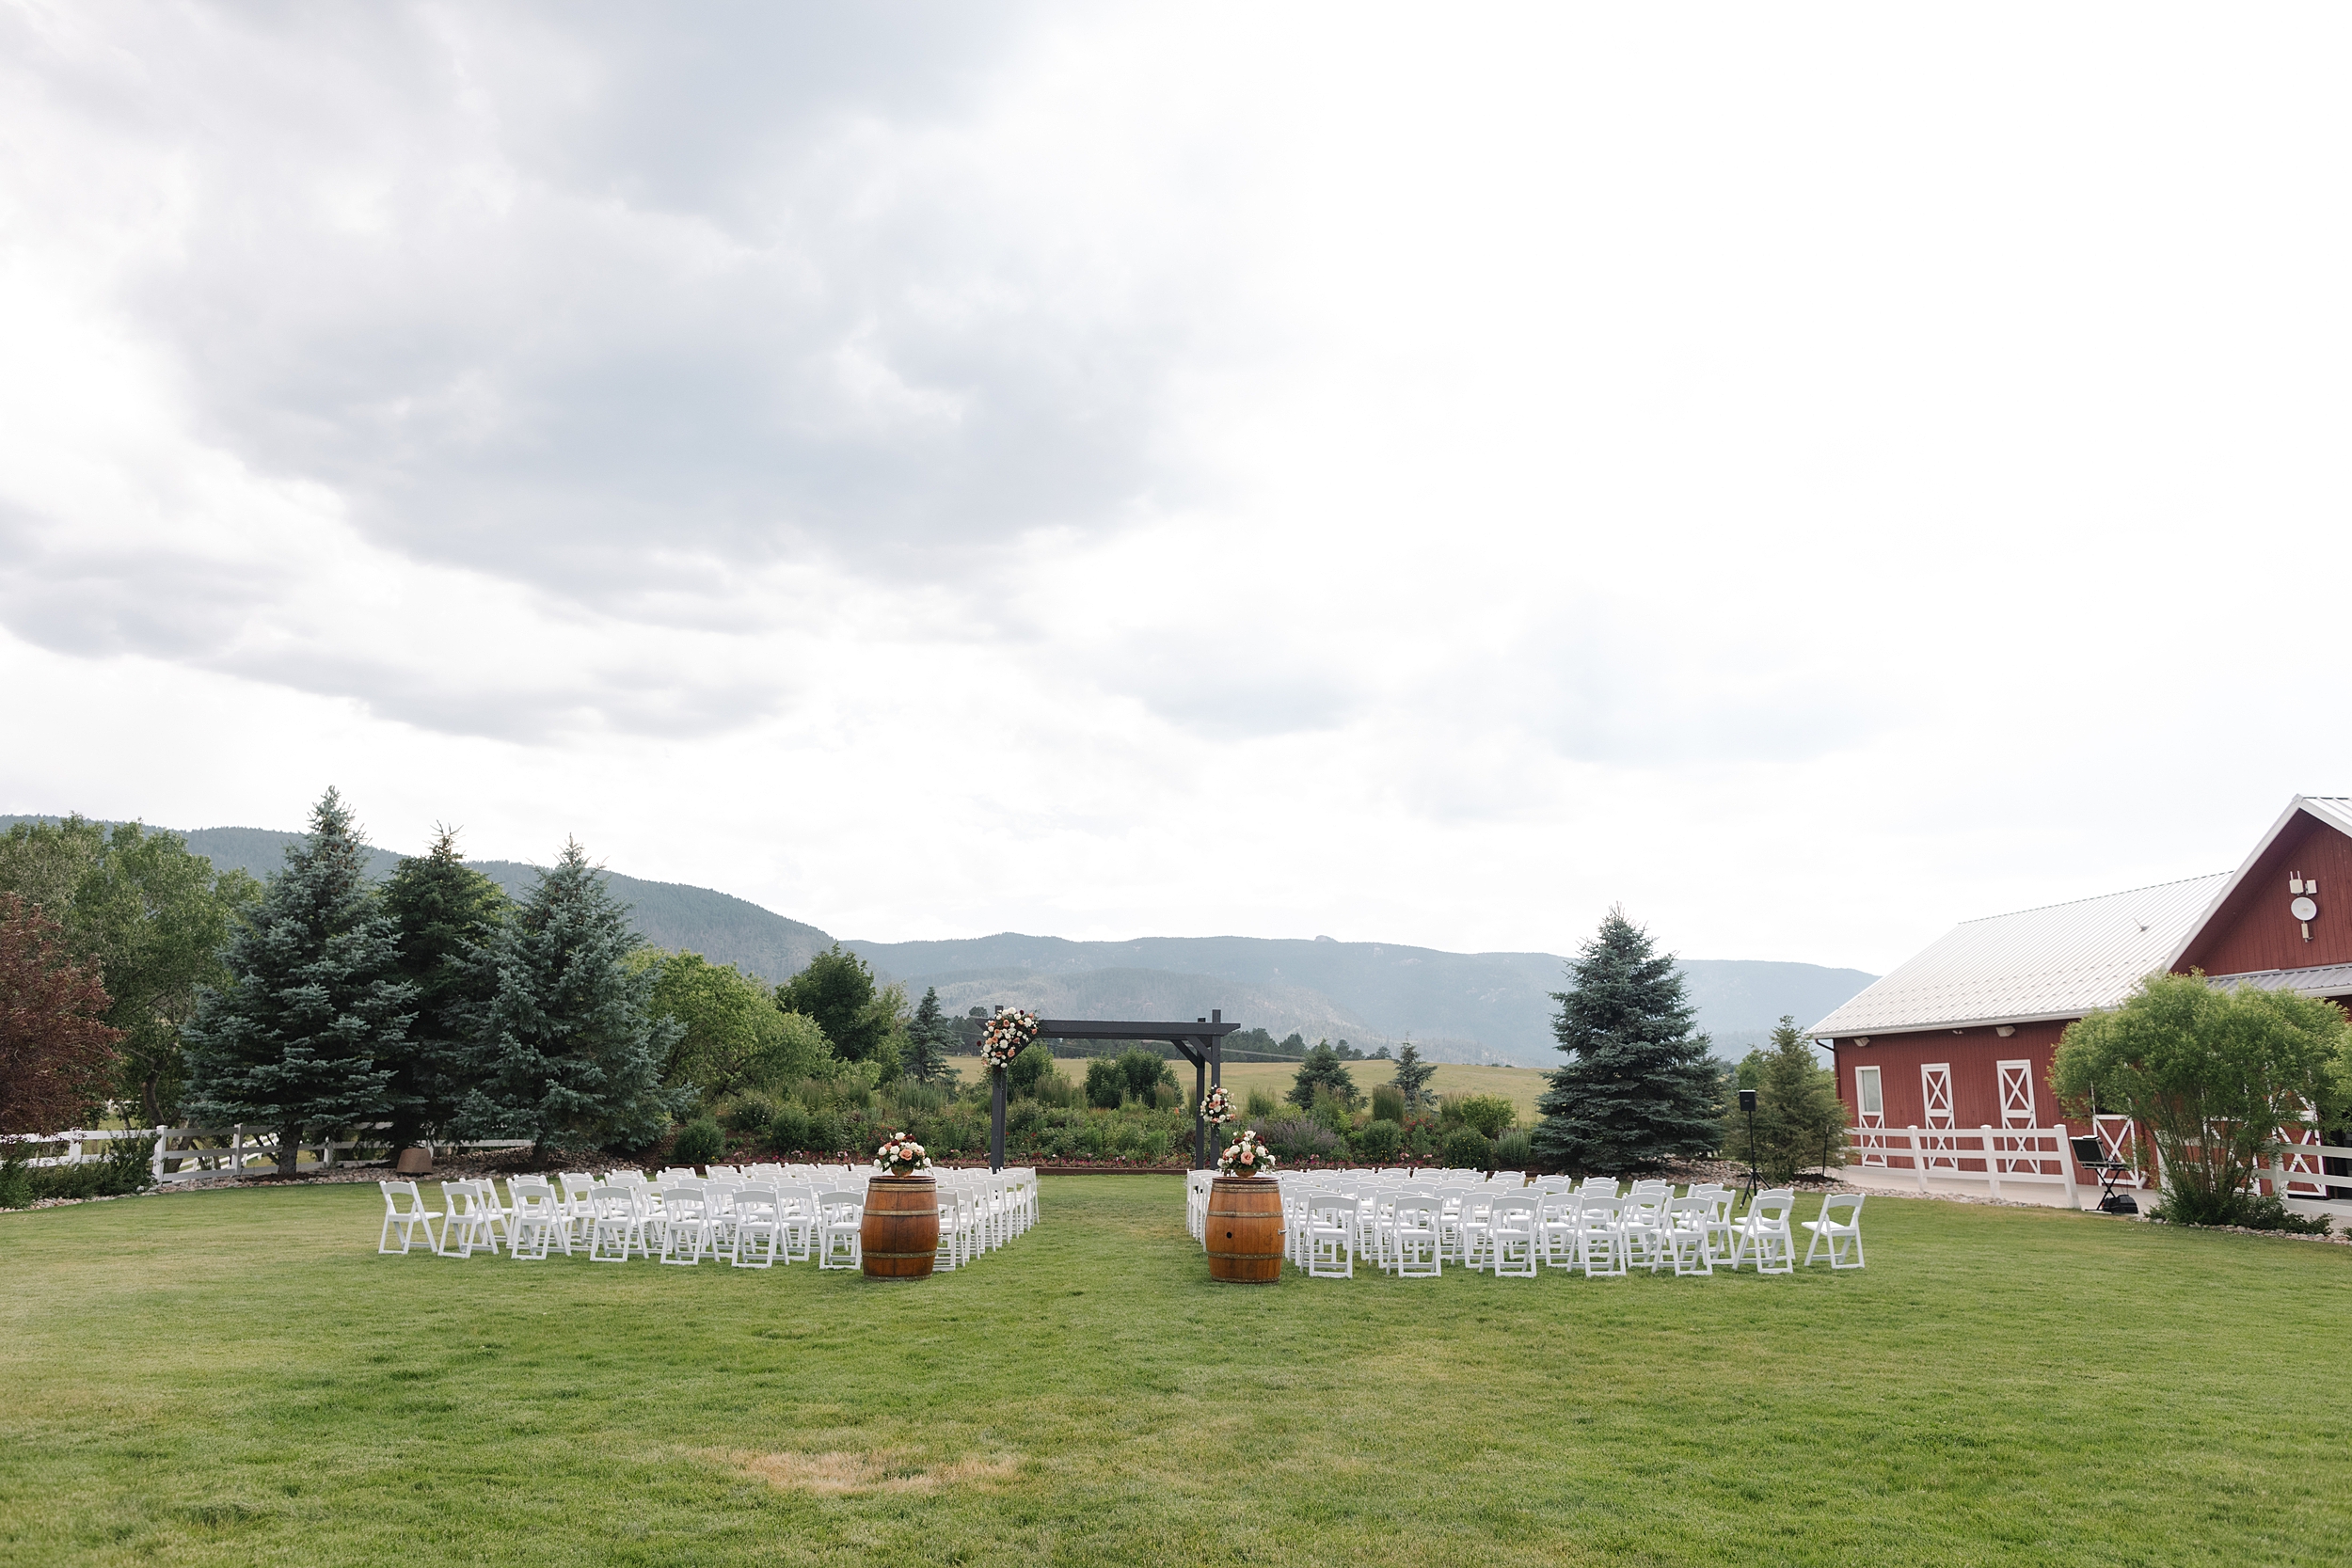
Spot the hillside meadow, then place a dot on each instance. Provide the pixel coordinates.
(235, 1380)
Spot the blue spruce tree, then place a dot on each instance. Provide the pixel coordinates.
(1640, 1088)
(573, 1047)
(304, 1036)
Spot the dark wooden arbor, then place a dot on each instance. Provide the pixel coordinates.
(1202, 1042)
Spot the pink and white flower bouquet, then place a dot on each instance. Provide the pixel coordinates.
(901, 1155)
(1217, 1109)
(1005, 1036)
(1245, 1156)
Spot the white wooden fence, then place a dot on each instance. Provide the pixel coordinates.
(185, 1153)
(2005, 1159)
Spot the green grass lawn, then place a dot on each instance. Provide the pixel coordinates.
(236, 1378)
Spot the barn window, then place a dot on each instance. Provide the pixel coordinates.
(1865, 1087)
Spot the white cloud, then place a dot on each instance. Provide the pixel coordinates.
(1103, 471)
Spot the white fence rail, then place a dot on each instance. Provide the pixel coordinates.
(1999, 1157)
(185, 1153)
(2002, 1158)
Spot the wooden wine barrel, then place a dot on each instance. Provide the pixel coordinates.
(899, 1233)
(1245, 1230)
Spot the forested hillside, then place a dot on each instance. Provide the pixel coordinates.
(1455, 1007)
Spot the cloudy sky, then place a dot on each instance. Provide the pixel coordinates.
(1411, 475)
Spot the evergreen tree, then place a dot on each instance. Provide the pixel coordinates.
(1800, 1122)
(1321, 1070)
(1412, 1075)
(929, 1036)
(575, 1048)
(306, 1033)
(447, 913)
(1639, 1088)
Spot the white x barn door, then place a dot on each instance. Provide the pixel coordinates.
(1935, 1087)
(2016, 1080)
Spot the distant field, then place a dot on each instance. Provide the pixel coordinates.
(1519, 1085)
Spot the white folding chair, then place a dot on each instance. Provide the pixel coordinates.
(838, 1245)
(404, 1212)
(1331, 1237)
(617, 1223)
(1762, 1236)
(1415, 1244)
(1688, 1240)
(1511, 1237)
(1599, 1248)
(755, 1215)
(538, 1219)
(468, 1224)
(1842, 1236)
(685, 1223)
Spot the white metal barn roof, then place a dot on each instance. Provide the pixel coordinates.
(2059, 961)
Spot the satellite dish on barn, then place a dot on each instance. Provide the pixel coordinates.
(2304, 909)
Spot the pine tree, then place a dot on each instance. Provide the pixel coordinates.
(1412, 1075)
(1798, 1120)
(447, 913)
(1321, 1070)
(575, 1050)
(1639, 1088)
(305, 1035)
(928, 1034)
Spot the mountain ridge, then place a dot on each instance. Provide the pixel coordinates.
(1491, 1007)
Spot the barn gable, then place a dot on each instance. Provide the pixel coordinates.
(2255, 923)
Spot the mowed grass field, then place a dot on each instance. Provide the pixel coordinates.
(236, 1378)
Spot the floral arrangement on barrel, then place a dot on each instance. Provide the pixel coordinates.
(901, 1155)
(1245, 1156)
(1005, 1036)
(1217, 1109)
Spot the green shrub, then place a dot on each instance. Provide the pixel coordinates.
(1491, 1114)
(1022, 1118)
(699, 1141)
(1376, 1142)
(1387, 1104)
(1032, 1067)
(749, 1113)
(16, 1183)
(1296, 1140)
(1060, 1143)
(1467, 1148)
(130, 1165)
(1106, 1087)
(824, 1133)
(1331, 1112)
(1512, 1150)
(2187, 1207)
(913, 1097)
(1261, 1103)
(1096, 1142)
(787, 1130)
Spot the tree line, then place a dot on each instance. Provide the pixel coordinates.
(133, 972)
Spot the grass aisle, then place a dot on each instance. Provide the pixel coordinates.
(236, 1378)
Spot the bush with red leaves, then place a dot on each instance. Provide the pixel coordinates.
(56, 1057)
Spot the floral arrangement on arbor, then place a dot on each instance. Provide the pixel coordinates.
(901, 1155)
(1005, 1036)
(1245, 1156)
(1217, 1109)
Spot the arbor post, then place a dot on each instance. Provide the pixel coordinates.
(1199, 1122)
(996, 1120)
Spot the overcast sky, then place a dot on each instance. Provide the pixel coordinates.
(1418, 475)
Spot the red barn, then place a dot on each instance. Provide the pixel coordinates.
(1961, 1036)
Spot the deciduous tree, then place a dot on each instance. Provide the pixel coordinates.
(2214, 1074)
(56, 1051)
